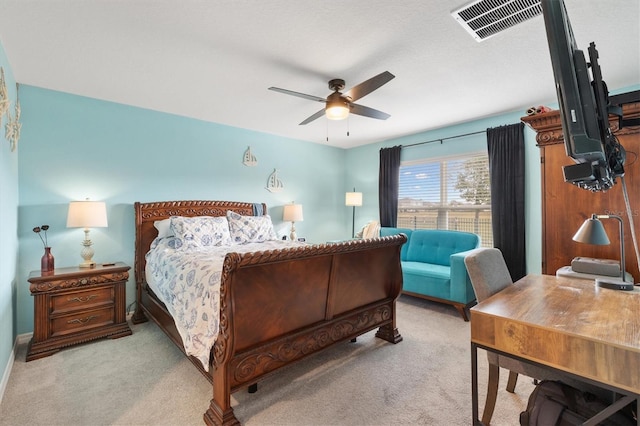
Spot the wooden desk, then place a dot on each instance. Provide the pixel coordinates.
(565, 324)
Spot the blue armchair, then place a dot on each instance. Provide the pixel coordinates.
(433, 265)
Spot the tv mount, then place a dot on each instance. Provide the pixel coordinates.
(585, 106)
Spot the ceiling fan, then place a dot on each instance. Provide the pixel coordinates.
(339, 105)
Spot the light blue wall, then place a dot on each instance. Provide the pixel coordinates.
(362, 171)
(8, 226)
(362, 168)
(74, 147)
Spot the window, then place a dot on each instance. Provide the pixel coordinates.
(447, 193)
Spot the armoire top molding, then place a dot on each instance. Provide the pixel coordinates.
(548, 125)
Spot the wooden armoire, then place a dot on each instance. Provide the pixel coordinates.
(565, 206)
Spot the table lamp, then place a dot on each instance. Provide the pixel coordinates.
(292, 213)
(87, 214)
(592, 232)
(353, 199)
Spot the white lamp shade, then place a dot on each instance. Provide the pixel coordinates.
(292, 213)
(353, 199)
(337, 111)
(87, 214)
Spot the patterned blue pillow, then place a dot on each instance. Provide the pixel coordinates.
(250, 229)
(193, 233)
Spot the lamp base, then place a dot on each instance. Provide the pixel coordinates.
(87, 252)
(292, 234)
(614, 284)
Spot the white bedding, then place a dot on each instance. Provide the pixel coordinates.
(188, 283)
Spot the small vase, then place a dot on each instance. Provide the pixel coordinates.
(46, 263)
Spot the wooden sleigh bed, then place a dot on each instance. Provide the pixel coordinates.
(278, 306)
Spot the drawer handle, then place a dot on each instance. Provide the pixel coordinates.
(82, 321)
(82, 299)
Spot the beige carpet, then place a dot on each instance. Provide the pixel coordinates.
(143, 379)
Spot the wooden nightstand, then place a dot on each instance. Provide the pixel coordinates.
(76, 305)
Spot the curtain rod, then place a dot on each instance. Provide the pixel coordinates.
(444, 139)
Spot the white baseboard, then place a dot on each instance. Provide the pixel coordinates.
(7, 370)
(20, 339)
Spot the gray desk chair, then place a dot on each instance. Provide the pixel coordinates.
(489, 274)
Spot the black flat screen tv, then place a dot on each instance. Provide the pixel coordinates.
(583, 99)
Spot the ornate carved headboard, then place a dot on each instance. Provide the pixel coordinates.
(147, 213)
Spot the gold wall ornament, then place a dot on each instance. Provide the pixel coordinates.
(13, 127)
(4, 95)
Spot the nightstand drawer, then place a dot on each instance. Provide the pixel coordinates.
(84, 299)
(81, 321)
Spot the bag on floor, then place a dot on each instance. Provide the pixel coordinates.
(553, 403)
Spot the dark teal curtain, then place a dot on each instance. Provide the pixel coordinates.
(388, 183)
(505, 145)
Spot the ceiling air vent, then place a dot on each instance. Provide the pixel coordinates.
(486, 18)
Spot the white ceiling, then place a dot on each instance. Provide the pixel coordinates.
(214, 60)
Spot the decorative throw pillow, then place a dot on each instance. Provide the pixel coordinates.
(198, 232)
(250, 229)
(164, 228)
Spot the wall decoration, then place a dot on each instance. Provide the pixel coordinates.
(249, 159)
(273, 183)
(13, 126)
(4, 95)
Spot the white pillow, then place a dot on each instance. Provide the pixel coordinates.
(250, 229)
(192, 233)
(163, 227)
(371, 230)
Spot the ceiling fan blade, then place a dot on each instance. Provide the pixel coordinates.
(369, 86)
(298, 94)
(368, 112)
(313, 117)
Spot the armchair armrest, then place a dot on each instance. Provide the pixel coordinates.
(461, 288)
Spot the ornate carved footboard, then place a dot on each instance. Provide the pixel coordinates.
(279, 306)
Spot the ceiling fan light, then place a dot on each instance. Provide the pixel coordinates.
(337, 111)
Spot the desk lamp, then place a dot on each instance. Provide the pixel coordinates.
(87, 214)
(592, 232)
(292, 213)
